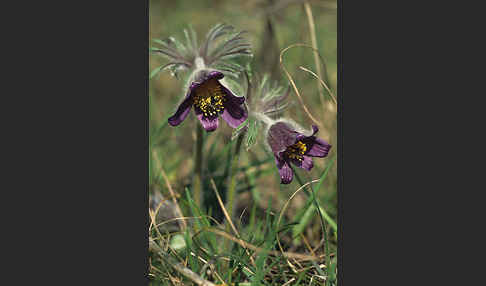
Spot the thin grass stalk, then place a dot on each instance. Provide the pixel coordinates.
(301, 101)
(232, 188)
(233, 171)
(312, 29)
(327, 257)
(178, 266)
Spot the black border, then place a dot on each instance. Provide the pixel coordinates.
(82, 199)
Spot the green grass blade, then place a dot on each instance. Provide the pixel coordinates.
(307, 217)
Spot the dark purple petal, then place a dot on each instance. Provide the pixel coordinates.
(205, 75)
(317, 147)
(302, 137)
(234, 112)
(215, 74)
(306, 163)
(231, 97)
(231, 120)
(193, 86)
(286, 174)
(280, 136)
(182, 111)
(209, 124)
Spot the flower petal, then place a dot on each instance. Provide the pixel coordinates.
(280, 136)
(232, 121)
(209, 124)
(182, 111)
(215, 74)
(205, 75)
(306, 163)
(317, 147)
(234, 115)
(302, 137)
(231, 97)
(234, 111)
(286, 173)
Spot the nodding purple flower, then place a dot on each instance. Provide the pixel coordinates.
(210, 99)
(289, 146)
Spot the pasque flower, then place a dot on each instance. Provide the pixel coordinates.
(206, 63)
(291, 146)
(266, 100)
(211, 99)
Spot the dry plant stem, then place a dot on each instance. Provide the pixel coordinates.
(186, 218)
(226, 215)
(197, 183)
(312, 28)
(182, 224)
(179, 267)
(285, 207)
(293, 83)
(232, 187)
(307, 244)
(288, 282)
(206, 265)
(153, 222)
(228, 218)
(322, 82)
(258, 249)
(234, 168)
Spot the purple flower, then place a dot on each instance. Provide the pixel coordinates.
(289, 145)
(211, 99)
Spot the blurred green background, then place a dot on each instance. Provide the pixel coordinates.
(272, 26)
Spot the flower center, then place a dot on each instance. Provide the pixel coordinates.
(296, 151)
(209, 98)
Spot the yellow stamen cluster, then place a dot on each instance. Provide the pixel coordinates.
(209, 98)
(296, 151)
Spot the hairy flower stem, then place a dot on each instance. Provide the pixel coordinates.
(234, 168)
(326, 243)
(264, 118)
(232, 187)
(197, 181)
(199, 63)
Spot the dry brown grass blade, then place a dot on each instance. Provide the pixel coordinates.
(293, 83)
(258, 249)
(153, 222)
(187, 218)
(179, 267)
(182, 223)
(285, 207)
(208, 265)
(322, 82)
(228, 218)
(307, 244)
(312, 28)
(288, 282)
(226, 215)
